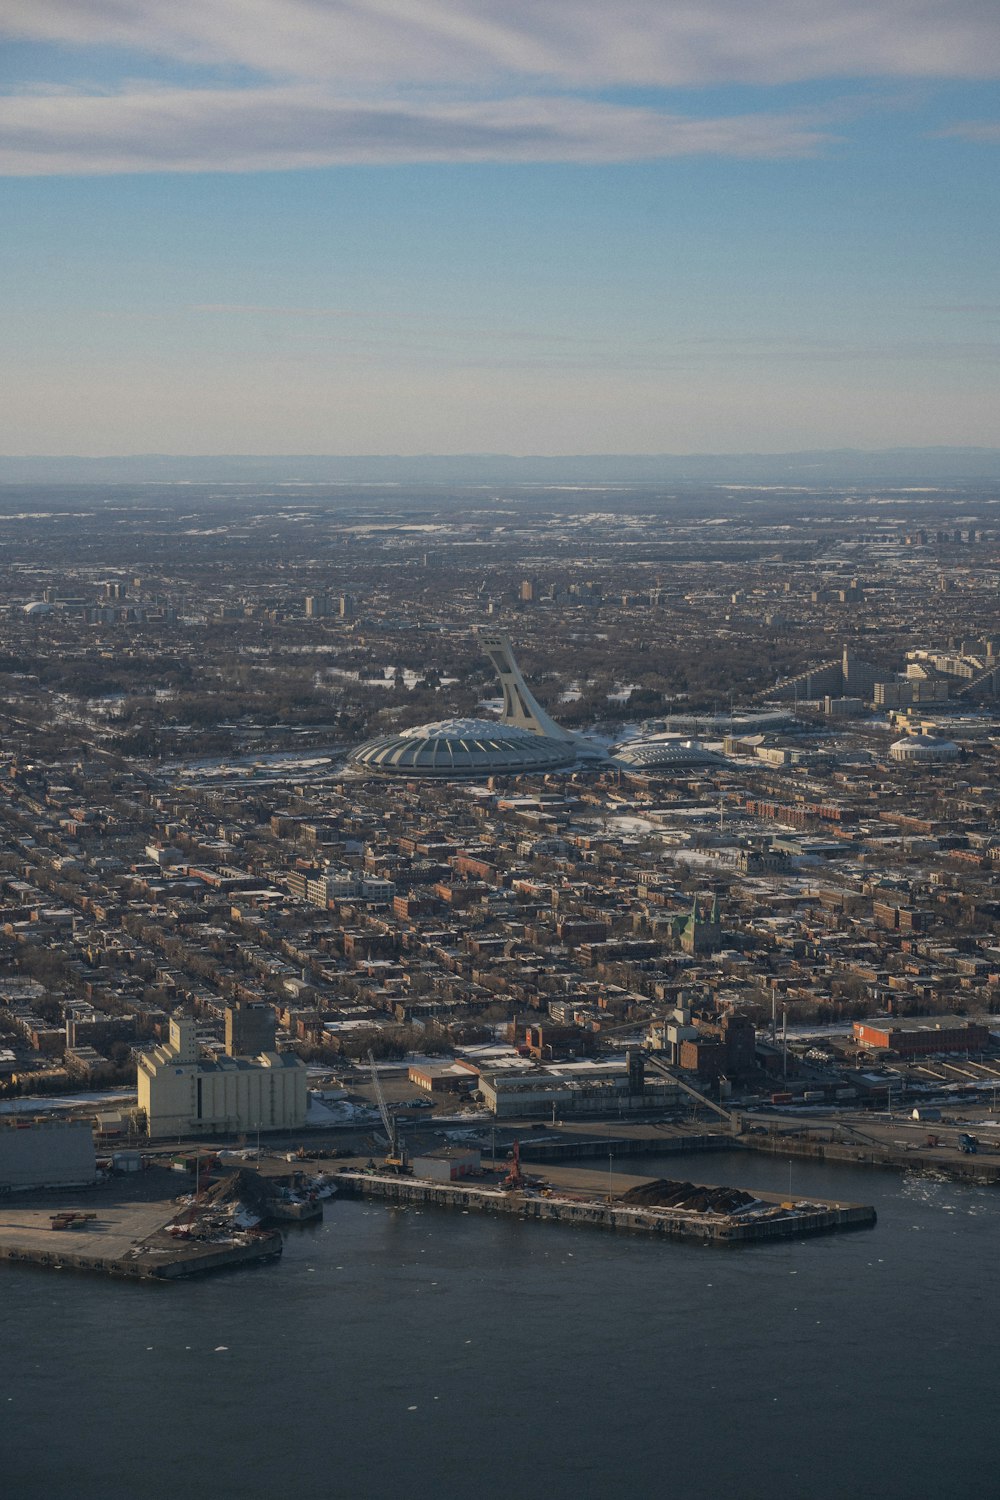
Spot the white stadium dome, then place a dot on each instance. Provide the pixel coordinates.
(523, 740)
(665, 754)
(923, 747)
(462, 747)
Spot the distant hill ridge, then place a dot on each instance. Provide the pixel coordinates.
(939, 465)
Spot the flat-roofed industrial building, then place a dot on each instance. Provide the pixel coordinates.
(46, 1154)
(912, 1036)
(593, 1090)
(448, 1164)
(183, 1094)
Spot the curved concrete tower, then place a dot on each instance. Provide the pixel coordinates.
(519, 706)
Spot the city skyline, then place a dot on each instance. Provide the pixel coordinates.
(427, 228)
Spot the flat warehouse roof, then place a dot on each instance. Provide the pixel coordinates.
(923, 1023)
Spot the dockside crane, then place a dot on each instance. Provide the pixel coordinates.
(514, 1181)
(397, 1159)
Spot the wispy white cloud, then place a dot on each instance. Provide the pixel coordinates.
(811, 349)
(338, 82)
(456, 342)
(657, 42)
(986, 132)
(244, 130)
(271, 310)
(976, 308)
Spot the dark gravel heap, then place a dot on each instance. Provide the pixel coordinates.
(666, 1194)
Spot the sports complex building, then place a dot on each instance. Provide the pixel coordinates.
(524, 739)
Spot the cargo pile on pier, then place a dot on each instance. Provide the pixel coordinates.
(663, 1193)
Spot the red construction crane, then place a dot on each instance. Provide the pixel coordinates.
(514, 1181)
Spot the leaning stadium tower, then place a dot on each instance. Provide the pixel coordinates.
(524, 739)
(520, 708)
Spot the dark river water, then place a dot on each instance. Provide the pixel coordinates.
(421, 1353)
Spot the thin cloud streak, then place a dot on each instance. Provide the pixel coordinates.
(252, 309)
(575, 42)
(660, 351)
(275, 129)
(985, 132)
(381, 330)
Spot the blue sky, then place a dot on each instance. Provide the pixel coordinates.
(410, 226)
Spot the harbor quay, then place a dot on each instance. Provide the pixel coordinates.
(895, 1145)
(155, 1262)
(144, 1224)
(576, 1200)
(894, 1156)
(127, 1243)
(134, 1228)
(138, 1227)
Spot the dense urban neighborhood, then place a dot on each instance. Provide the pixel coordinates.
(779, 819)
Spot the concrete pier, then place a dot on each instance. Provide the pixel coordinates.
(173, 1264)
(801, 1142)
(896, 1158)
(122, 1228)
(160, 1257)
(564, 1148)
(774, 1219)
